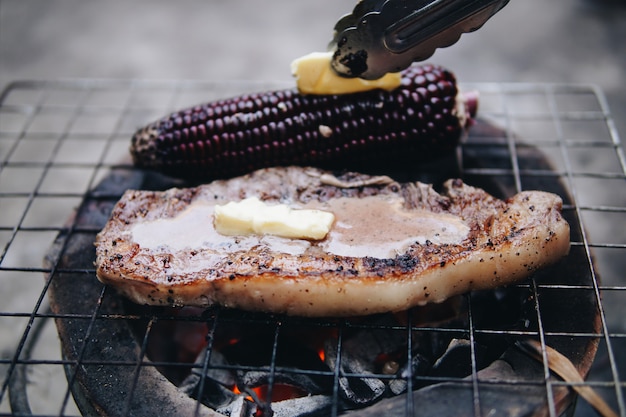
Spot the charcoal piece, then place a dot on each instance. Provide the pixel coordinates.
(214, 384)
(300, 381)
(366, 345)
(359, 391)
(254, 350)
(420, 365)
(368, 351)
(239, 407)
(451, 399)
(313, 405)
(214, 394)
(456, 362)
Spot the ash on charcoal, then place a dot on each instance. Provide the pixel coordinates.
(214, 383)
(299, 382)
(419, 365)
(310, 406)
(239, 407)
(377, 350)
(356, 390)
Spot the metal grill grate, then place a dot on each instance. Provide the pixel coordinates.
(59, 141)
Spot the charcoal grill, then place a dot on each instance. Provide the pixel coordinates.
(63, 155)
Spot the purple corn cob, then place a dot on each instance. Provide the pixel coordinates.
(422, 119)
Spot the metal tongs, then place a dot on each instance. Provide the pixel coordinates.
(382, 36)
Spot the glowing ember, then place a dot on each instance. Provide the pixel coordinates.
(279, 392)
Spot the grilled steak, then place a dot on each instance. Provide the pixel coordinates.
(392, 246)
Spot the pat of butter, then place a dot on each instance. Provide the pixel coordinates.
(252, 216)
(314, 75)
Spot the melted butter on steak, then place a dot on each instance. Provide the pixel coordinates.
(384, 228)
(369, 226)
(193, 228)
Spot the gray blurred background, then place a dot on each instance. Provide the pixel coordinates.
(565, 41)
(535, 41)
(568, 41)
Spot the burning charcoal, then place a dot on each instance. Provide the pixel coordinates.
(381, 348)
(215, 391)
(358, 391)
(313, 405)
(239, 407)
(255, 351)
(309, 406)
(214, 394)
(419, 366)
(367, 344)
(300, 384)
